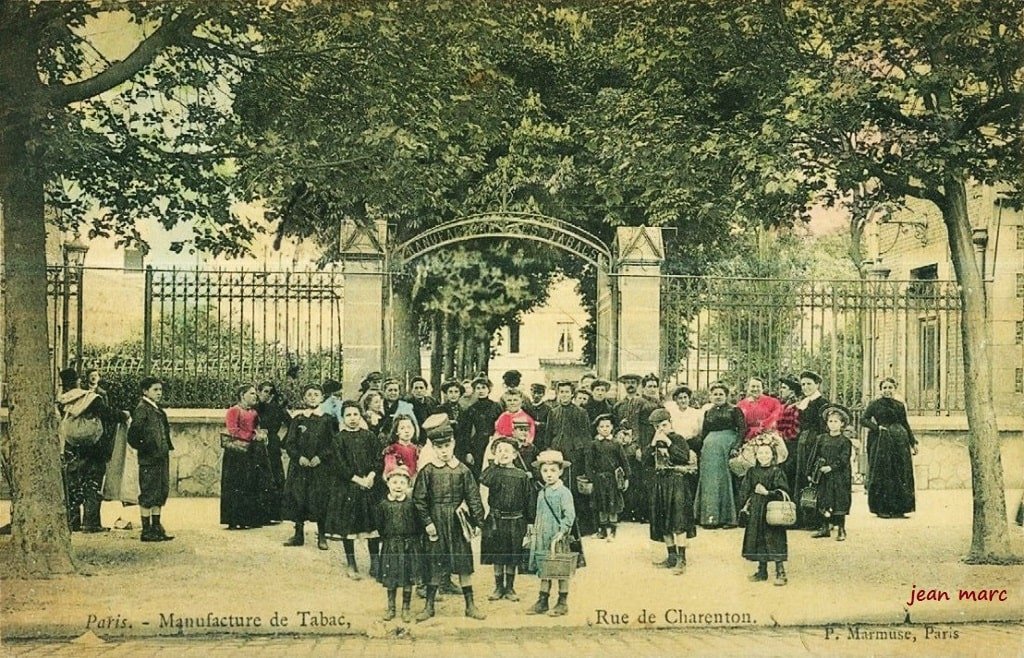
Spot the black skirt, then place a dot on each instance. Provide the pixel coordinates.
(606, 499)
(401, 562)
(239, 491)
(672, 505)
(502, 541)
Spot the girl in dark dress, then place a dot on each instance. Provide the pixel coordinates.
(809, 410)
(763, 543)
(672, 510)
(890, 446)
(510, 496)
(358, 489)
(310, 444)
(832, 460)
(604, 457)
(401, 539)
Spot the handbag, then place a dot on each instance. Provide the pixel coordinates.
(620, 478)
(782, 513)
(809, 497)
(229, 442)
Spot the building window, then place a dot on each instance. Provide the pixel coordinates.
(513, 338)
(1020, 285)
(1019, 338)
(1020, 237)
(922, 281)
(565, 342)
(1018, 385)
(929, 355)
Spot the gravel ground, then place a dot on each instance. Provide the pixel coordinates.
(127, 589)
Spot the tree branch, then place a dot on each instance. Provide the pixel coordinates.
(902, 186)
(1006, 105)
(167, 34)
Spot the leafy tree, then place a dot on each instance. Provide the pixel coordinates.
(106, 142)
(916, 99)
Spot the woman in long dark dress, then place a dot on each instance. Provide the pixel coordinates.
(763, 543)
(831, 459)
(240, 500)
(890, 446)
(274, 418)
(722, 432)
(809, 410)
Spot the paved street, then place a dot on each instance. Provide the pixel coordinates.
(1004, 640)
(222, 592)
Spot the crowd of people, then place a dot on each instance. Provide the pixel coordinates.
(418, 478)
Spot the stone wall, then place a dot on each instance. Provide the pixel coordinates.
(942, 462)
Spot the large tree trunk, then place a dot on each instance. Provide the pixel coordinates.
(41, 541)
(405, 357)
(989, 541)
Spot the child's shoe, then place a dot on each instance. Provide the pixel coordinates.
(390, 614)
(780, 575)
(561, 608)
(471, 610)
(841, 534)
(602, 533)
(541, 606)
(499, 588)
(428, 610)
(298, 539)
(824, 532)
(761, 575)
(611, 532)
(510, 592)
(321, 542)
(352, 573)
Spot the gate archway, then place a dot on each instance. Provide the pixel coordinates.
(628, 269)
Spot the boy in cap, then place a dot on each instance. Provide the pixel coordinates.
(540, 410)
(442, 487)
(150, 434)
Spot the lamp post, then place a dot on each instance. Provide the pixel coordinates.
(74, 258)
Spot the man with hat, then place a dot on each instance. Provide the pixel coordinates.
(636, 410)
(569, 433)
(540, 410)
(447, 500)
(371, 382)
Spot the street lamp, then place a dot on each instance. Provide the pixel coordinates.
(74, 258)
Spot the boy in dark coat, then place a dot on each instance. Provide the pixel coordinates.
(443, 486)
(150, 435)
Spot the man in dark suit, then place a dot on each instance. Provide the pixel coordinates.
(150, 434)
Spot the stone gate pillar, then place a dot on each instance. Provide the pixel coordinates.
(639, 252)
(606, 350)
(362, 253)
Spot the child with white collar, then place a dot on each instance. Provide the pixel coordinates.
(401, 536)
(443, 486)
(311, 452)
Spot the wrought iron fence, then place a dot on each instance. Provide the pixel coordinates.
(202, 331)
(852, 332)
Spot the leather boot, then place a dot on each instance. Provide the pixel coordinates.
(406, 604)
(390, 614)
(299, 538)
(761, 574)
(499, 587)
(561, 608)
(159, 531)
(602, 533)
(780, 574)
(510, 590)
(471, 610)
(824, 532)
(428, 609)
(147, 530)
(670, 561)
(612, 529)
(541, 606)
(680, 562)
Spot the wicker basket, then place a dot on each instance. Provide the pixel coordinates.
(585, 486)
(781, 513)
(557, 566)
